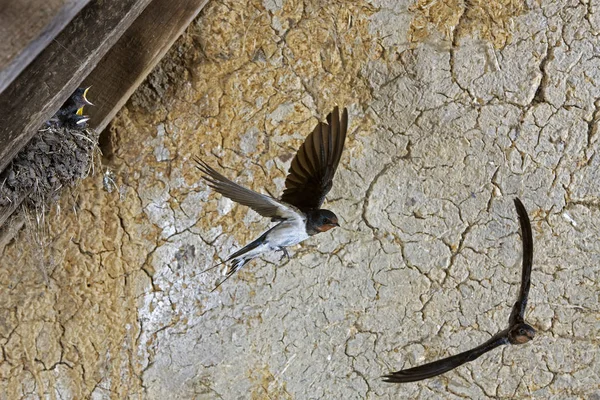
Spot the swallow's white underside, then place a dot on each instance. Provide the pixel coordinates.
(286, 233)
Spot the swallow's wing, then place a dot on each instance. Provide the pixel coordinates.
(311, 173)
(265, 205)
(518, 312)
(446, 364)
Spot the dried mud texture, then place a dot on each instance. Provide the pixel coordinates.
(490, 20)
(444, 133)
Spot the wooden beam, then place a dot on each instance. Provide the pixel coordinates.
(26, 28)
(138, 51)
(50, 79)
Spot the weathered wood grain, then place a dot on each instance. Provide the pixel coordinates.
(58, 70)
(138, 51)
(26, 28)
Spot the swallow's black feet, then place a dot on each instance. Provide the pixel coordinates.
(285, 253)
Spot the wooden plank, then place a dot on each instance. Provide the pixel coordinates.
(138, 51)
(50, 79)
(26, 28)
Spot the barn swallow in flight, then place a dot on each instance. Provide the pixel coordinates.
(518, 331)
(298, 212)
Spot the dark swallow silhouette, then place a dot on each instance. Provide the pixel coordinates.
(75, 103)
(71, 112)
(518, 331)
(297, 213)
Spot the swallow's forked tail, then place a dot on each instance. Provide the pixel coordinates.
(240, 258)
(237, 264)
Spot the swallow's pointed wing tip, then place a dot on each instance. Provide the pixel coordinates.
(524, 220)
(518, 204)
(425, 371)
(394, 377)
(313, 167)
(336, 112)
(201, 165)
(204, 167)
(414, 374)
(518, 312)
(266, 206)
(443, 365)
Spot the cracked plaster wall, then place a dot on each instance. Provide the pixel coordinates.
(456, 107)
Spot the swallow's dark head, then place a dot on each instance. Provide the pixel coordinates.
(80, 100)
(321, 221)
(80, 97)
(521, 333)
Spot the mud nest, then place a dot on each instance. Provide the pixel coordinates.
(56, 157)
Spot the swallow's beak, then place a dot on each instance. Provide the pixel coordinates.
(89, 103)
(335, 224)
(79, 111)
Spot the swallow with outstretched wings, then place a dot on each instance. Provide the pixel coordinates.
(297, 213)
(518, 331)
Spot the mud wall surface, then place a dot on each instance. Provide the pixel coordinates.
(455, 106)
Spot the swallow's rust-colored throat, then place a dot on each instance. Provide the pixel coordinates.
(326, 227)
